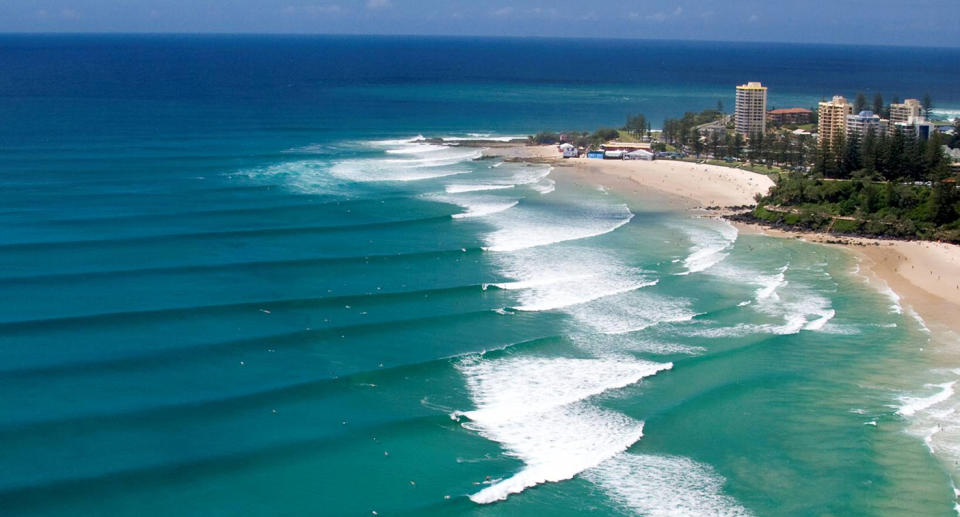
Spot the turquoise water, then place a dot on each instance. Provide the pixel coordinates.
(249, 297)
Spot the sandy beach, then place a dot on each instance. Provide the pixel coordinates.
(924, 275)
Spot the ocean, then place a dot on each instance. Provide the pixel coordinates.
(238, 278)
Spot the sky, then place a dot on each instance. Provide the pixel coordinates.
(875, 22)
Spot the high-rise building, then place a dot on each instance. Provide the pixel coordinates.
(860, 124)
(832, 117)
(903, 111)
(751, 114)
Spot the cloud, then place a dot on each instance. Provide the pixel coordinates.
(503, 11)
(313, 10)
(753, 18)
(378, 4)
(658, 16)
(539, 12)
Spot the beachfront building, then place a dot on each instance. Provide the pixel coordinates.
(832, 119)
(751, 112)
(916, 127)
(902, 112)
(625, 146)
(795, 116)
(862, 123)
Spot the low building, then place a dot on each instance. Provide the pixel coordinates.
(625, 146)
(917, 127)
(783, 116)
(952, 154)
(862, 123)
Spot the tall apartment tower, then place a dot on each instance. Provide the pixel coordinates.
(903, 112)
(833, 119)
(751, 111)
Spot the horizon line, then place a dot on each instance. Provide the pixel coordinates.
(461, 36)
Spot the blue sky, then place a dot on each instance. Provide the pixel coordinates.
(918, 22)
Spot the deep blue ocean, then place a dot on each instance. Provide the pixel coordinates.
(237, 279)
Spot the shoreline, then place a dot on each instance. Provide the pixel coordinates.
(924, 275)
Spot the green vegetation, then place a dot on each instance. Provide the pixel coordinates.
(878, 104)
(637, 125)
(894, 157)
(860, 103)
(894, 186)
(681, 132)
(770, 170)
(577, 138)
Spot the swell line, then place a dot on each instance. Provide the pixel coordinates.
(271, 396)
(260, 232)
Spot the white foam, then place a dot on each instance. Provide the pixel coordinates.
(632, 312)
(556, 278)
(770, 284)
(482, 209)
(510, 388)
(800, 311)
(613, 344)
(537, 282)
(661, 486)
(534, 407)
(366, 172)
(544, 186)
(710, 246)
(530, 227)
(418, 161)
(916, 317)
(527, 174)
(944, 114)
(820, 322)
(395, 142)
(894, 299)
(310, 176)
(913, 405)
(487, 137)
(415, 148)
(558, 446)
(475, 205)
(463, 188)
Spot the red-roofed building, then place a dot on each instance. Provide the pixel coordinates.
(789, 116)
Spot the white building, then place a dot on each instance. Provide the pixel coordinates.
(860, 124)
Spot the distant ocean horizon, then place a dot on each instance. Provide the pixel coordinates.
(238, 277)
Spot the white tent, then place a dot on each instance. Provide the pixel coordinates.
(639, 154)
(569, 151)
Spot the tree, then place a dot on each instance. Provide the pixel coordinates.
(878, 104)
(927, 104)
(756, 150)
(636, 124)
(868, 151)
(696, 142)
(850, 158)
(715, 144)
(860, 103)
(738, 146)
